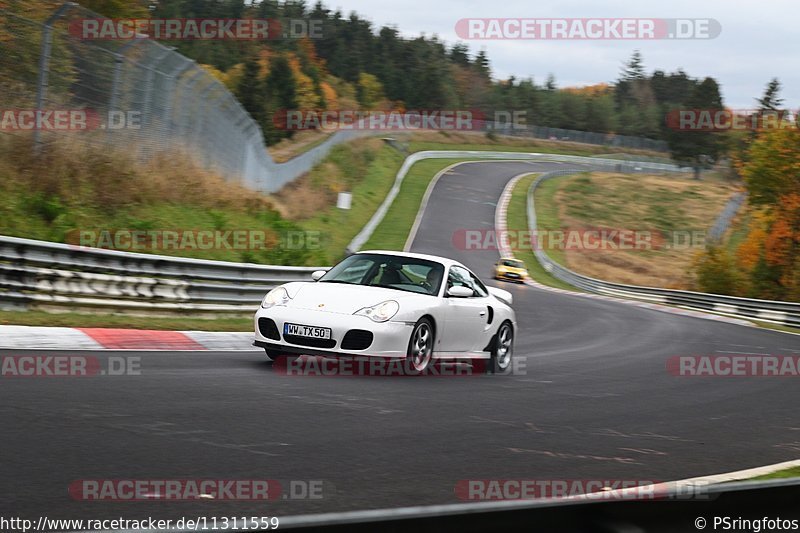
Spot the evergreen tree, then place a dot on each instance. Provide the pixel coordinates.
(770, 100)
(699, 149)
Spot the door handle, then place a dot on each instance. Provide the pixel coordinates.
(482, 313)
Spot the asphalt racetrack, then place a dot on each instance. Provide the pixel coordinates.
(595, 401)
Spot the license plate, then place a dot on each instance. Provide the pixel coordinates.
(306, 331)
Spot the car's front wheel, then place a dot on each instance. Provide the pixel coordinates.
(420, 347)
(503, 349)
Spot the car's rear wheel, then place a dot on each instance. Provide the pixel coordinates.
(502, 349)
(420, 347)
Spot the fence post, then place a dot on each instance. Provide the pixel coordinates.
(198, 127)
(186, 105)
(172, 81)
(119, 59)
(148, 86)
(44, 67)
(146, 119)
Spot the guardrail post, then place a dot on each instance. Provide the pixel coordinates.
(44, 67)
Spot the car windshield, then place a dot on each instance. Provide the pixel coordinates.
(513, 263)
(389, 271)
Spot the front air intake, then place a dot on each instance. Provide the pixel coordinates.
(268, 328)
(357, 339)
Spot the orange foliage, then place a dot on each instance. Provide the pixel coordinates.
(310, 52)
(263, 60)
(598, 89)
(331, 98)
(750, 249)
(782, 243)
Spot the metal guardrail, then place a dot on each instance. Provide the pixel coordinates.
(725, 218)
(51, 276)
(670, 510)
(775, 312)
(56, 277)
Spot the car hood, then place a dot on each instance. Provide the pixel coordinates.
(347, 299)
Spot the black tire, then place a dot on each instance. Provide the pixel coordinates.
(420, 348)
(502, 350)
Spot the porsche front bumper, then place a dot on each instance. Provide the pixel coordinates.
(389, 339)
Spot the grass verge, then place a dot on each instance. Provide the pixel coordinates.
(547, 217)
(369, 189)
(780, 474)
(777, 327)
(301, 143)
(392, 232)
(517, 220)
(651, 227)
(446, 140)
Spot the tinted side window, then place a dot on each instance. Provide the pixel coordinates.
(461, 277)
(478, 286)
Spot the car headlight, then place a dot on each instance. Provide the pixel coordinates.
(380, 312)
(277, 296)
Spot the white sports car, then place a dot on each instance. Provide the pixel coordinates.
(391, 305)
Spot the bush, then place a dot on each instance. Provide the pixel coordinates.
(716, 273)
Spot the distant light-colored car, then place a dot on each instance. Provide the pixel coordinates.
(390, 305)
(510, 269)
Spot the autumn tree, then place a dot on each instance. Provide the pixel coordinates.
(774, 166)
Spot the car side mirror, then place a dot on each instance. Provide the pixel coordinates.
(318, 274)
(460, 292)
